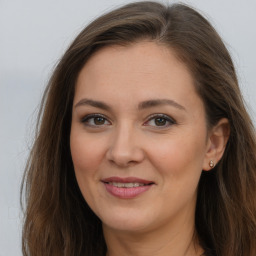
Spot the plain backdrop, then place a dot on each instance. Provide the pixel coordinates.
(33, 37)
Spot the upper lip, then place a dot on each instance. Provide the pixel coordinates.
(127, 180)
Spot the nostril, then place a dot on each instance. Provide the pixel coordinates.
(125, 152)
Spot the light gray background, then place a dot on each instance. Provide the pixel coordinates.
(34, 35)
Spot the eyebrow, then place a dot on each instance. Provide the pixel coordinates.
(142, 105)
(160, 102)
(93, 103)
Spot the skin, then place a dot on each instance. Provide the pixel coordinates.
(128, 141)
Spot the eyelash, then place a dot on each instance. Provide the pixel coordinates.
(86, 119)
(164, 117)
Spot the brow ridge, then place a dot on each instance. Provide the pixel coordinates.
(159, 102)
(93, 103)
(142, 105)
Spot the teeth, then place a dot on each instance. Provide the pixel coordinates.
(126, 185)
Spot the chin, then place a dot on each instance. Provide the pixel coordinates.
(126, 226)
(127, 221)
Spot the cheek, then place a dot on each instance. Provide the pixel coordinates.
(86, 155)
(178, 155)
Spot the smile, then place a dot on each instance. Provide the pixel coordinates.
(126, 185)
(126, 188)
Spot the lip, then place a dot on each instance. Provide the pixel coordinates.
(127, 180)
(127, 193)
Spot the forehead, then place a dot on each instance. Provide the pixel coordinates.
(136, 72)
(141, 57)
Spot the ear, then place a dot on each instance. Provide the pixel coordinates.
(216, 143)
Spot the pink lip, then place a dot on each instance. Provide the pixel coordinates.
(126, 193)
(127, 180)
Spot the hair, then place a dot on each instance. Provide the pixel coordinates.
(58, 220)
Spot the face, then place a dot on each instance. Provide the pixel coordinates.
(138, 137)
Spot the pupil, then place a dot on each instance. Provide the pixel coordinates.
(160, 121)
(99, 120)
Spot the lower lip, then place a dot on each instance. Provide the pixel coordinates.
(126, 192)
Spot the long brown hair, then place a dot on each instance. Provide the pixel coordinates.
(58, 221)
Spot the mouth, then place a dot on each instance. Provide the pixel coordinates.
(126, 185)
(125, 188)
(127, 182)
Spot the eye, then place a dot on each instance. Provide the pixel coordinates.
(95, 120)
(160, 120)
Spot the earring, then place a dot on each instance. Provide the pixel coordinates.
(211, 164)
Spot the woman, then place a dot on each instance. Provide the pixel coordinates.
(143, 145)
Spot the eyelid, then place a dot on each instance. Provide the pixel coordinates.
(89, 116)
(149, 118)
(171, 120)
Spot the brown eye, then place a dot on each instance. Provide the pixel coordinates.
(160, 121)
(95, 120)
(99, 120)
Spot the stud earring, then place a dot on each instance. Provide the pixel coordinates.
(211, 164)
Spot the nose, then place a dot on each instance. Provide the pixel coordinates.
(125, 148)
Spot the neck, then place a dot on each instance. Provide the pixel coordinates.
(179, 240)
